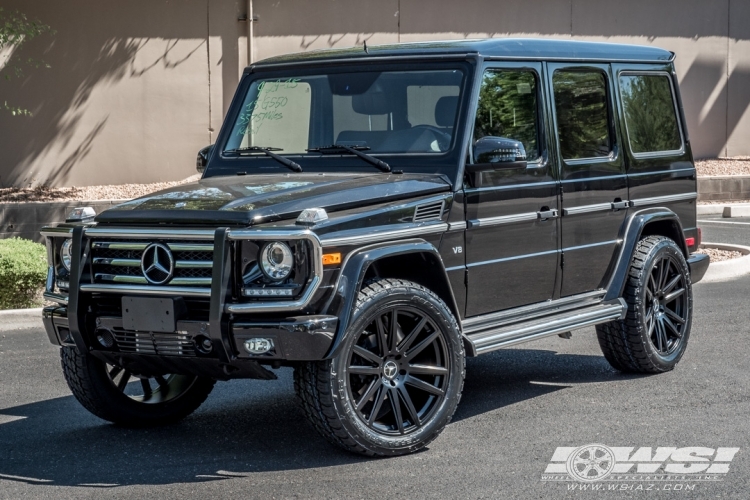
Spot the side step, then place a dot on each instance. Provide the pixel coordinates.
(504, 335)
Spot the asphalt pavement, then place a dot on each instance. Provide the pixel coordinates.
(249, 440)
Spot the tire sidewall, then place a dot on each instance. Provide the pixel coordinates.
(668, 247)
(436, 310)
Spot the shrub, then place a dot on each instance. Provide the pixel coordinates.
(23, 272)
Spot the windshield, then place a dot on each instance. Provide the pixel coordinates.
(388, 112)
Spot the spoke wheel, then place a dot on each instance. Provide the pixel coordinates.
(666, 305)
(654, 334)
(394, 380)
(148, 390)
(397, 371)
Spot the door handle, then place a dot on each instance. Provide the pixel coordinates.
(546, 213)
(620, 205)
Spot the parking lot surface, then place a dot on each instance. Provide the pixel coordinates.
(249, 440)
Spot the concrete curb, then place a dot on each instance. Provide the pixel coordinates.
(18, 319)
(726, 210)
(729, 269)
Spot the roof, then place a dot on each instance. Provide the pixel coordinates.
(501, 48)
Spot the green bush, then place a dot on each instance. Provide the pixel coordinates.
(23, 272)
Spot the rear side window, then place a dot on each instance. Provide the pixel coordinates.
(582, 113)
(650, 117)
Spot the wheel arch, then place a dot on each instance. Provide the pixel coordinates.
(413, 260)
(648, 222)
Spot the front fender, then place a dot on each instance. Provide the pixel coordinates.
(355, 269)
(667, 221)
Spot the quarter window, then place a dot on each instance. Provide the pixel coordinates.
(508, 108)
(582, 114)
(650, 116)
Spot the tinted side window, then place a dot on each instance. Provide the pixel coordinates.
(508, 108)
(650, 113)
(582, 114)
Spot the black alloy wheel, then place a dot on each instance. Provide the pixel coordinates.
(654, 334)
(394, 380)
(398, 370)
(114, 393)
(666, 305)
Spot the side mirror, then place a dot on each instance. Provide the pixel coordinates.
(202, 160)
(497, 153)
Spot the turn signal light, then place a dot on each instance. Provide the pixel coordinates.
(331, 258)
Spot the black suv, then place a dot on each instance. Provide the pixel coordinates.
(372, 216)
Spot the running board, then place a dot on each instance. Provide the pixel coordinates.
(504, 335)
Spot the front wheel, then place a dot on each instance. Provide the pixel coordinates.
(397, 378)
(115, 394)
(654, 334)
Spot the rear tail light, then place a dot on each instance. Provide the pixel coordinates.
(690, 242)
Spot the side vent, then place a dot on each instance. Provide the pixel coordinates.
(429, 211)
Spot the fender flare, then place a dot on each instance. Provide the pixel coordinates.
(355, 268)
(631, 234)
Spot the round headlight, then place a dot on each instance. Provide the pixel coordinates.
(66, 254)
(276, 260)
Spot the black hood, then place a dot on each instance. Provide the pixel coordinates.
(244, 200)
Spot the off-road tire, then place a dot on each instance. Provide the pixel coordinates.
(322, 389)
(87, 378)
(626, 343)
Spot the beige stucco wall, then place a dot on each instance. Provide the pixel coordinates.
(137, 87)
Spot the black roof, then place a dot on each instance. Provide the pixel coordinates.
(502, 48)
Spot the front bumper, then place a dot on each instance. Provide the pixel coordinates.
(90, 316)
(698, 263)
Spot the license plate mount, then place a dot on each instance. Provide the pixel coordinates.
(152, 314)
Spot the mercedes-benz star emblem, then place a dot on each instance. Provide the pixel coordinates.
(157, 264)
(390, 369)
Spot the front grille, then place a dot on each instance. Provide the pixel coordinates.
(164, 344)
(120, 262)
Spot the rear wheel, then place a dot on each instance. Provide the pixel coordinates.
(115, 394)
(654, 334)
(397, 378)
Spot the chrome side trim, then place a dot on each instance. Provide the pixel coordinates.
(457, 226)
(454, 268)
(510, 186)
(640, 202)
(515, 257)
(376, 237)
(162, 234)
(162, 291)
(591, 245)
(56, 297)
(659, 172)
(503, 219)
(478, 323)
(584, 209)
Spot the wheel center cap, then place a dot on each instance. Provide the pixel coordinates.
(390, 370)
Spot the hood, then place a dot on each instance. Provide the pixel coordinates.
(248, 199)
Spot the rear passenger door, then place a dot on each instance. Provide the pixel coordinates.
(594, 187)
(512, 222)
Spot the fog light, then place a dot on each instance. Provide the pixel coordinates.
(258, 345)
(105, 338)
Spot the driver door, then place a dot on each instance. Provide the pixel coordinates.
(512, 237)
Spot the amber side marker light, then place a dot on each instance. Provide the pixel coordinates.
(331, 258)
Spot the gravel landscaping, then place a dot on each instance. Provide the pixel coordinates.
(739, 165)
(720, 255)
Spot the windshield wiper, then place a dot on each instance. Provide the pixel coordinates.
(355, 150)
(268, 152)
